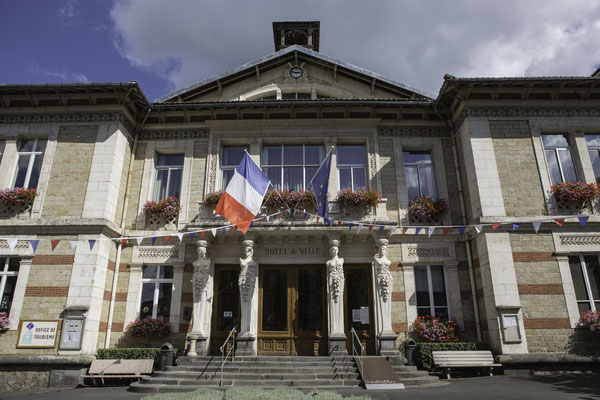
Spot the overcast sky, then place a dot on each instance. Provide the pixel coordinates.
(165, 45)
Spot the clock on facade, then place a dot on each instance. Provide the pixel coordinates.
(296, 72)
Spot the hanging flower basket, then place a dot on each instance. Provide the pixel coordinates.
(3, 321)
(148, 328)
(361, 199)
(282, 199)
(434, 329)
(426, 208)
(18, 196)
(575, 195)
(212, 198)
(592, 320)
(168, 207)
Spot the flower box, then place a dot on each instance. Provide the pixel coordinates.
(16, 201)
(212, 198)
(4, 321)
(574, 197)
(148, 328)
(427, 210)
(162, 214)
(282, 199)
(358, 202)
(434, 329)
(592, 320)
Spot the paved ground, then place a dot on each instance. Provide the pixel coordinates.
(576, 386)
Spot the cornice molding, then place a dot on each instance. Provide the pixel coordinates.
(412, 131)
(60, 117)
(175, 134)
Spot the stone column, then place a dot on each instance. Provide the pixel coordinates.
(385, 283)
(335, 288)
(202, 270)
(248, 284)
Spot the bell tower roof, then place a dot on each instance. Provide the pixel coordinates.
(301, 33)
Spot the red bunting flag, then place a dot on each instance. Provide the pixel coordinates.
(446, 229)
(167, 239)
(317, 219)
(370, 228)
(495, 226)
(54, 243)
(234, 227)
(123, 242)
(560, 221)
(259, 222)
(339, 223)
(281, 214)
(203, 233)
(404, 230)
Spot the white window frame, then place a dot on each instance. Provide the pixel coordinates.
(556, 152)
(2, 147)
(432, 305)
(590, 150)
(156, 282)
(33, 154)
(4, 274)
(303, 165)
(168, 168)
(228, 167)
(586, 280)
(418, 165)
(352, 167)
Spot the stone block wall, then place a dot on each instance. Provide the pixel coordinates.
(197, 178)
(135, 186)
(451, 182)
(387, 171)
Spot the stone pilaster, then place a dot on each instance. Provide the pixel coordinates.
(335, 289)
(248, 284)
(384, 283)
(203, 271)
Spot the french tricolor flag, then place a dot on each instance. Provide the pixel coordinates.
(244, 194)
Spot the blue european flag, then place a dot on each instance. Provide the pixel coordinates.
(320, 184)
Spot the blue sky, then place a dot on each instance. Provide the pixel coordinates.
(165, 45)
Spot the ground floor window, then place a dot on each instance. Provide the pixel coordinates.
(9, 271)
(157, 289)
(585, 271)
(430, 285)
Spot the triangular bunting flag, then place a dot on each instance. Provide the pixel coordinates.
(34, 244)
(370, 228)
(404, 230)
(583, 220)
(234, 227)
(12, 243)
(92, 243)
(381, 228)
(180, 236)
(251, 224)
(139, 240)
(268, 218)
(392, 230)
(74, 244)
(417, 230)
(339, 224)
(214, 232)
(536, 225)
(446, 229)
(202, 234)
(153, 240)
(478, 228)
(123, 242)
(495, 226)
(350, 225)
(317, 219)
(516, 225)
(54, 243)
(360, 226)
(224, 229)
(559, 221)
(281, 214)
(193, 234)
(461, 230)
(430, 230)
(167, 237)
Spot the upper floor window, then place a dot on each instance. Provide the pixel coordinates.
(169, 168)
(585, 271)
(2, 144)
(9, 270)
(593, 144)
(296, 96)
(291, 167)
(430, 287)
(351, 163)
(418, 169)
(157, 288)
(29, 164)
(230, 159)
(560, 158)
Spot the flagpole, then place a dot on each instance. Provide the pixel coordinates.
(313, 177)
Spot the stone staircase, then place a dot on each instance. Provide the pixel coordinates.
(303, 373)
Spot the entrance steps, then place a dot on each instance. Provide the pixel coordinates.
(304, 373)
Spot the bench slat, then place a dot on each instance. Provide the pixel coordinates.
(111, 367)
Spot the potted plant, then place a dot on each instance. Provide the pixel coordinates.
(163, 212)
(282, 199)
(16, 200)
(434, 329)
(576, 195)
(148, 328)
(592, 320)
(213, 198)
(426, 209)
(4, 322)
(362, 200)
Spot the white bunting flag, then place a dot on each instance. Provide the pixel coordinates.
(73, 244)
(536, 225)
(180, 236)
(12, 243)
(478, 228)
(360, 226)
(214, 232)
(392, 230)
(430, 230)
(139, 240)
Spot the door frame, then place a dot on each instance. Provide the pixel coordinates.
(367, 336)
(218, 337)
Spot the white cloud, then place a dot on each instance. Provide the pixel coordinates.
(62, 75)
(69, 12)
(184, 41)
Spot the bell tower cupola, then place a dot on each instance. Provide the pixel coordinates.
(301, 33)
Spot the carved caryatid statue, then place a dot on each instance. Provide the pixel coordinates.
(199, 282)
(247, 284)
(385, 282)
(335, 280)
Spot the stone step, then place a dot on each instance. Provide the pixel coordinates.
(272, 364)
(421, 381)
(263, 369)
(246, 375)
(293, 359)
(146, 388)
(252, 382)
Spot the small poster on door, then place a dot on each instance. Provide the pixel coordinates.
(227, 314)
(356, 315)
(72, 334)
(364, 315)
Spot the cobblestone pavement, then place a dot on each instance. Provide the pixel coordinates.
(549, 387)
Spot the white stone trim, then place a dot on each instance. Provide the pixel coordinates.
(134, 292)
(410, 293)
(569, 290)
(452, 280)
(155, 255)
(19, 295)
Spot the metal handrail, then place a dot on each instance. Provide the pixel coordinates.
(362, 348)
(225, 357)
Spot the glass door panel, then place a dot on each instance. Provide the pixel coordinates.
(226, 306)
(359, 308)
(310, 300)
(275, 306)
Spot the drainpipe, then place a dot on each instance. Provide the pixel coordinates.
(113, 293)
(463, 210)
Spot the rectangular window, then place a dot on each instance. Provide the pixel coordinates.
(29, 164)
(430, 285)
(9, 270)
(418, 170)
(169, 169)
(230, 159)
(352, 166)
(560, 158)
(157, 288)
(291, 167)
(2, 145)
(593, 144)
(585, 271)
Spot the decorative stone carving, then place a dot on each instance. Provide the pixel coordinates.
(428, 252)
(158, 253)
(335, 280)
(384, 281)
(174, 134)
(412, 131)
(580, 240)
(381, 266)
(21, 245)
(67, 117)
(248, 284)
(199, 281)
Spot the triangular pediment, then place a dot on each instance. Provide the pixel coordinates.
(293, 70)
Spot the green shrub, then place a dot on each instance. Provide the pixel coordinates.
(134, 353)
(424, 359)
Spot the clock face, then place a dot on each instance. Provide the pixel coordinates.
(296, 72)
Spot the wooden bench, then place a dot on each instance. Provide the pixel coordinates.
(119, 369)
(448, 360)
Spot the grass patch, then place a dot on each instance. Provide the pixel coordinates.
(251, 393)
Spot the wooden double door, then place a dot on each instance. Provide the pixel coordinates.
(292, 310)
